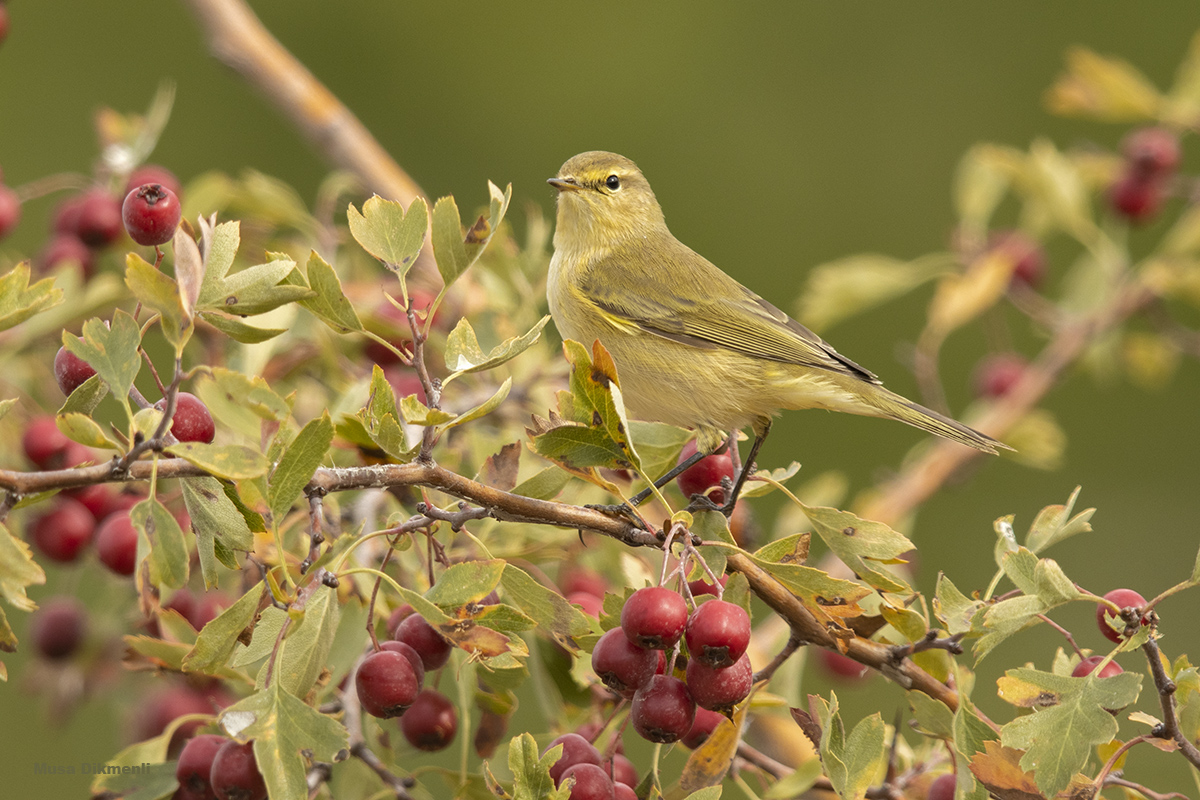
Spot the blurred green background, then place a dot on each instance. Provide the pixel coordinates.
(777, 137)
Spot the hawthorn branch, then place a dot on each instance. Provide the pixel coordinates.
(1169, 728)
(927, 474)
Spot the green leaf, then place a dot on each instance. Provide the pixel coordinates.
(455, 253)
(168, 551)
(214, 518)
(385, 231)
(820, 592)
(756, 486)
(794, 784)
(308, 643)
(1058, 740)
(86, 397)
(658, 445)
(954, 608)
(546, 485)
(156, 291)
(239, 331)
(257, 289)
(463, 354)
(83, 429)
(556, 617)
(300, 460)
(933, 716)
(840, 289)
(330, 303)
(1055, 523)
(414, 412)
(18, 570)
(531, 774)
(230, 461)
(249, 392)
(857, 541)
(468, 582)
(220, 247)
(111, 351)
(286, 733)
(970, 735)
(484, 408)
(217, 640)
(148, 774)
(851, 761)
(19, 301)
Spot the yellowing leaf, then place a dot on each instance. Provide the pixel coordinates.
(1104, 88)
(387, 232)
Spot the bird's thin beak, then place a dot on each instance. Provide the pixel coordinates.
(564, 184)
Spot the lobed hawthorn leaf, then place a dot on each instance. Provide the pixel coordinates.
(309, 641)
(954, 608)
(387, 232)
(287, 734)
(556, 617)
(85, 430)
(168, 553)
(257, 289)
(414, 412)
(788, 550)
(19, 301)
(463, 354)
(851, 762)
(214, 518)
(110, 350)
(998, 770)
(330, 304)
(500, 469)
(531, 773)
(454, 251)
(756, 486)
(933, 717)
(829, 596)
(216, 642)
(220, 246)
(1058, 740)
(300, 460)
(596, 392)
(468, 582)
(160, 293)
(229, 461)
(18, 570)
(239, 331)
(86, 396)
(1103, 88)
(856, 541)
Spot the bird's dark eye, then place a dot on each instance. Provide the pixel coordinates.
(612, 182)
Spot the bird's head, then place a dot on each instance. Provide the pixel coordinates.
(603, 198)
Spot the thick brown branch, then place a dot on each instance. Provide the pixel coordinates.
(1169, 729)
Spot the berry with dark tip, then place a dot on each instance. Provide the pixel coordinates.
(418, 634)
(116, 543)
(663, 710)
(63, 531)
(705, 474)
(192, 421)
(235, 774)
(195, 764)
(153, 173)
(431, 722)
(1121, 598)
(70, 371)
(718, 633)
(387, 684)
(151, 213)
(99, 222)
(654, 617)
(57, 629)
(10, 210)
(623, 666)
(576, 750)
(719, 689)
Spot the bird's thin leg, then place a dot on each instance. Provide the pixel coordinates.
(666, 478)
(744, 472)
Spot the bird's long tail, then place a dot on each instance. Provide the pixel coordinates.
(894, 406)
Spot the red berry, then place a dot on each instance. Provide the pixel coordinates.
(654, 617)
(414, 658)
(942, 787)
(153, 173)
(387, 684)
(195, 764)
(1088, 665)
(1136, 198)
(841, 666)
(623, 666)
(588, 782)
(1152, 152)
(207, 607)
(161, 708)
(67, 249)
(57, 628)
(183, 602)
(720, 689)
(576, 750)
(10, 209)
(397, 616)
(62, 533)
(99, 222)
(663, 710)
(418, 634)
(3, 22)
(192, 421)
(66, 215)
(235, 774)
(116, 543)
(702, 727)
(151, 214)
(623, 770)
(718, 633)
(431, 723)
(44, 444)
(591, 605)
(701, 587)
(705, 473)
(70, 370)
(623, 791)
(1122, 598)
(581, 579)
(1029, 260)
(998, 373)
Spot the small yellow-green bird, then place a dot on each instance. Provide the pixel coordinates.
(693, 347)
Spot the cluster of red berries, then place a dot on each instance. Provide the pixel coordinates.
(390, 682)
(631, 660)
(1151, 157)
(212, 767)
(591, 775)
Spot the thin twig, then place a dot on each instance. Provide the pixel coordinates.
(1117, 780)
(1169, 727)
(783, 655)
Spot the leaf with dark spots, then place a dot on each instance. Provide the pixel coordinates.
(808, 725)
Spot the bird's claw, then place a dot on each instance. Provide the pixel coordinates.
(613, 510)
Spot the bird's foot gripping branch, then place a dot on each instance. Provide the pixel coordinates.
(343, 537)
